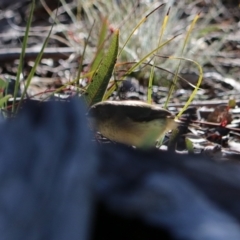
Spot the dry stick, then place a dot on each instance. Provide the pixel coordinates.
(8, 55)
(212, 103)
(211, 124)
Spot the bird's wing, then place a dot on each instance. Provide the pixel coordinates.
(147, 114)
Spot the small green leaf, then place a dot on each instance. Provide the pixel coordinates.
(189, 145)
(4, 100)
(3, 83)
(102, 75)
(232, 103)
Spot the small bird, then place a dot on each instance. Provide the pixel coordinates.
(131, 122)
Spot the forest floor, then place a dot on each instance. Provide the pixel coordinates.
(214, 44)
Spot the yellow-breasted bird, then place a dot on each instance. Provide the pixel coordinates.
(131, 122)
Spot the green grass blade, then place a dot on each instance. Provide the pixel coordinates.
(102, 75)
(184, 46)
(197, 87)
(21, 60)
(144, 19)
(100, 50)
(137, 64)
(149, 55)
(151, 77)
(80, 68)
(33, 70)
